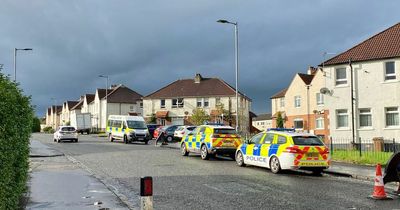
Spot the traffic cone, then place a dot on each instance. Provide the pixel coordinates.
(379, 189)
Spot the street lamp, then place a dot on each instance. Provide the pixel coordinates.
(106, 77)
(236, 67)
(15, 60)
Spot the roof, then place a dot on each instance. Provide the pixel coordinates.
(383, 45)
(89, 98)
(260, 117)
(57, 108)
(189, 88)
(49, 111)
(122, 94)
(78, 105)
(102, 92)
(71, 104)
(280, 94)
(307, 79)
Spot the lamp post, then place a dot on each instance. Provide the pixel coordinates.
(107, 78)
(15, 60)
(236, 66)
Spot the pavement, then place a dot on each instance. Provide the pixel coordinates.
(337, 168)
(57, 183)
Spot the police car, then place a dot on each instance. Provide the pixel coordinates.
(283, 149)
(210, 140)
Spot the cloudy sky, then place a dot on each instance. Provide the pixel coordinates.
(148, 44)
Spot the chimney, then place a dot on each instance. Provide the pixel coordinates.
(198, 78)
(311, 70)
(114, 86)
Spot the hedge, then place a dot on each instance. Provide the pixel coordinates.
(16, 115)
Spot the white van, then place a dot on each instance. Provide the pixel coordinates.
(127, 128)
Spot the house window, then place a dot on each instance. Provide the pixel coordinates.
(131, 108)
(392, 116)
(320, 99)
(342, 118)
(141, 105)
(217, 101)
(162, 122)
(177, 103)
(297, 101)
(206, 102)
(199, 102)
(282, 102)
(298, 123)
(341, 77)
(390, 72)
(319, 123)
(365, 118)
(162, 104)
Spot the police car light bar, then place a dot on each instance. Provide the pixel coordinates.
(282, 129)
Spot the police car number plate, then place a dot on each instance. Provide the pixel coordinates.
(312, 154)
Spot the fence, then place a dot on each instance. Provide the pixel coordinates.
(364, 151)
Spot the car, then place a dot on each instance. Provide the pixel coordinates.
(211, 140)
(169, 132)
(284, 149)
(182, 130)
(127, 128)
(152, 128)
(65, 133)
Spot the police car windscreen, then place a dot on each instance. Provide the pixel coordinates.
(191, 128)
(136, 124)
(224, 131)
(307, 141)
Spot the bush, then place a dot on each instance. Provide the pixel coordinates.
(36, 125)
(16, 115)
(48, 129)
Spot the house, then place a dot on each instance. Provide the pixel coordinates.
(53, 116)
(263, 121)
(88, 107)
(65, 113)
(120, 100)
(370, 74)
(174, 103)
(301, 104)
(76, 109)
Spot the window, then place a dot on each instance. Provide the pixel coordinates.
(390, 72)
(297, 101)
(199, 102)
(131, 108)
(281, 140)
(257, 138)
(307, 141)
(341, 77)
(282, 102)
(177, 102)
(298, 123)
(320, 99)
(217, 101)
(268, 138)
(162, 103)
(141, 105)
(206, 102)
(162, 122)
(365, 118)
(342, 118)
(319, 123)
(392, 116)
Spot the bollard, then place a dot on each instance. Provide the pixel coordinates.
(146, 193)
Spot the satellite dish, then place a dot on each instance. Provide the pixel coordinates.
(325, 90)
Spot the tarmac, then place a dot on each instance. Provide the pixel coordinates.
(56, 182)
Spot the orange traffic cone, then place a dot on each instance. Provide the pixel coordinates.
(379, 189)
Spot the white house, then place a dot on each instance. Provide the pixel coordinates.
(374, 65)
(263, 121)
(174, 103)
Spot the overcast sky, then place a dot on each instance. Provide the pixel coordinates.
(149, 44)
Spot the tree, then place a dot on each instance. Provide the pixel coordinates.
(199, 116)
(16, 116)
(279, 120)
(36, 124)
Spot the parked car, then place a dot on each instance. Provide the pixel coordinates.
(152, 128)
(127, 128)
(65, 133)
(183, 130)
(169, 132)
(284, 149)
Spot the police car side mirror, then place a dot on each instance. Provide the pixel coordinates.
(248, 141)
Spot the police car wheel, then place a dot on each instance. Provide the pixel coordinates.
(184, 152)
(204, 153)
(239, 159)
(275, 165)
(110, 137)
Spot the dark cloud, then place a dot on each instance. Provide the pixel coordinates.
(148, 44)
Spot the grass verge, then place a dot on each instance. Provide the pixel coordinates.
(366, 158)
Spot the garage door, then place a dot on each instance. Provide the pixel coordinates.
(177, 121)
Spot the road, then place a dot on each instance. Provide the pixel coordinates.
(192, 183)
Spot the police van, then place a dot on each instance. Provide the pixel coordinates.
(127, 128)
